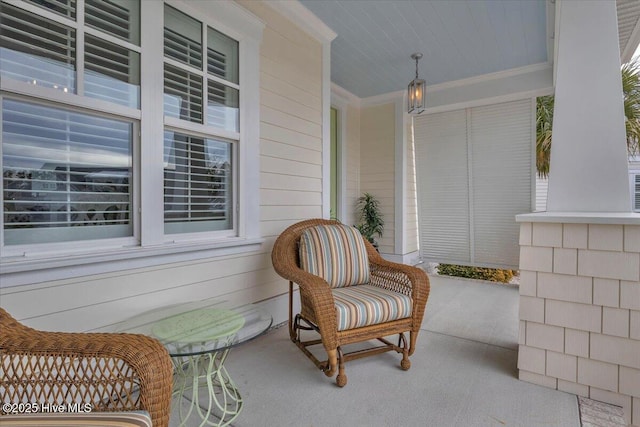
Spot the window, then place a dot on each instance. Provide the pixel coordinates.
(84, 140)
(197, 184)
(66, 175)
(37, 50)
(44, 52)
(200, 86)
(67, 172)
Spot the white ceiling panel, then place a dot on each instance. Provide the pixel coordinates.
(459, 39)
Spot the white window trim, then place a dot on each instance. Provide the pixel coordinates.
(341, 105)
(41, 264)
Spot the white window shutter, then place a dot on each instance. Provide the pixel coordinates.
(474, 175)
(501, 149)
(443, 186)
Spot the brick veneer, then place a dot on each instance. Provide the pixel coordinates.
(580, 311)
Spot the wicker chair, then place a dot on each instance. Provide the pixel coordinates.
(111, 372)
(319, 311)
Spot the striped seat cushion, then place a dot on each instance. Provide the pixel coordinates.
(93, 419)
(336, 253)
(366, 305)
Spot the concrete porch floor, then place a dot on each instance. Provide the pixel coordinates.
(464, 373)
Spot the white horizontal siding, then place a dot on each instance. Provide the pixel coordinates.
(292, 138)
(290, 152)
(289, 120)
(377, 165)
(95, 302)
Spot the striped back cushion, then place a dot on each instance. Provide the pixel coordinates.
(336, 253)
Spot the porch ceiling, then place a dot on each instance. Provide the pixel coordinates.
(459, 39)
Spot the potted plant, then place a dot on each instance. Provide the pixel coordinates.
(370, 218)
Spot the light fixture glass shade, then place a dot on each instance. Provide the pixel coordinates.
(415, 96)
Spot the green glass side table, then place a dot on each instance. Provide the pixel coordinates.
(198, 336)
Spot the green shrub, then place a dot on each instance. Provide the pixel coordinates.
(481, 273)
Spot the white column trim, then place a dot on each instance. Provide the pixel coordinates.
(341, 104)
(326, 128)
(249, 147)
(152, 128)
(400, 193)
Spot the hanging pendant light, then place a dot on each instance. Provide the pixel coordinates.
(416, 88)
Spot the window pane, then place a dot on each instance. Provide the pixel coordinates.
(36, 50)
(112, 72)
(222, 106)
(182, 94)
(222, 55)
(197, 184)
(62, 7)
(120, 18)
(182, 38)
(66, 175)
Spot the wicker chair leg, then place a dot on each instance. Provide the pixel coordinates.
(405, 363)
(292, 325)
(294, 328)
(413, 336)
(332, 362)
(341, 378)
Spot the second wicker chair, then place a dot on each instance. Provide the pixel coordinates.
(111, 372)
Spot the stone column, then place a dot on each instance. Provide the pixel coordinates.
(580, 307)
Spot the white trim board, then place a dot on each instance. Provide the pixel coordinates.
(624, 218)
(411, 258)
(297, 13)
(344, 96)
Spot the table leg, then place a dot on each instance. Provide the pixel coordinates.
(222, 402)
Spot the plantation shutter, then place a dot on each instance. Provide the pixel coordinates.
(112, 71)
(197, 183)
(443, 186)
(183, 89)
(38, 49)
(201, 85)
(501, 144)
(474, 175)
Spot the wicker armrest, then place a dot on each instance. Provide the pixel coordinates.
(111, 372)
(401, 278)
(316, 292)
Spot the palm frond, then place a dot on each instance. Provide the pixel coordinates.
(544, 128)
(631, 92)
